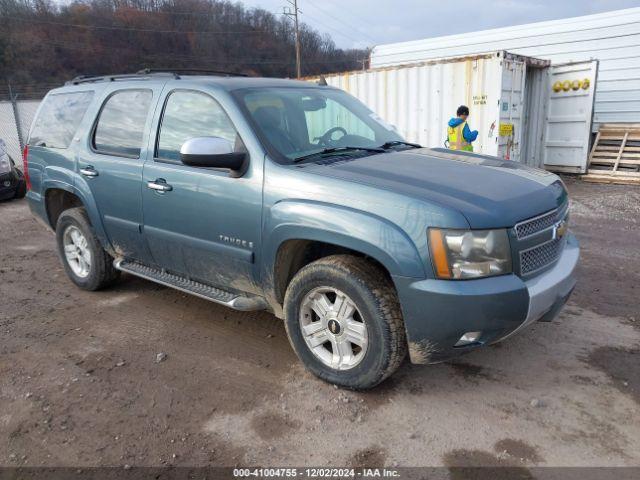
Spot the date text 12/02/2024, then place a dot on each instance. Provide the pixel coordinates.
(315, 473)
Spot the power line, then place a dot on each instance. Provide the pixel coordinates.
(142, 30)
(354, 25)
(339, 32)
(199, 13)
(179, 56)
(342, 34)
(350, 26)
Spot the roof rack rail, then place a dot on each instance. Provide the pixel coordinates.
(112, 78)
(176, 71)
(146, 72)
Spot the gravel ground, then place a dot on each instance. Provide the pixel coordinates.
(81, 383)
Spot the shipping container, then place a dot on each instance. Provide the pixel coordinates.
(612, 38)
(524, 109)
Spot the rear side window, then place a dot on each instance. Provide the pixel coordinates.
(59, 119)
(120, 126)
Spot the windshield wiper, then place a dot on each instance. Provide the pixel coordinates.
(326, 151)
(394, 143)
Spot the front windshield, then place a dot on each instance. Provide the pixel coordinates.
(299, 122)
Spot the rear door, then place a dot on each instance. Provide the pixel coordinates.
(112, 165)
(567, 131)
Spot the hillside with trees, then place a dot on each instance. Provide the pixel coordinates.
(44, 43)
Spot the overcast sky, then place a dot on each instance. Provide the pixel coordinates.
(363, 23)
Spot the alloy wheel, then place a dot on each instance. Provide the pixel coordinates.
(77, 252)
(333, 328)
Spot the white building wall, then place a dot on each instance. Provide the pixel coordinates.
(612, 37)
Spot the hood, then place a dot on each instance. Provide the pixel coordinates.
(489, 192)
(455, 121)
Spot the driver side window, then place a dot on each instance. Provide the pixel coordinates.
(335, 115)
(189, 114)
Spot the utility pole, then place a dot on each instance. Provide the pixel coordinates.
(289, 12)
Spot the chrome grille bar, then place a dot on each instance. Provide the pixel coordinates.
(540, 223)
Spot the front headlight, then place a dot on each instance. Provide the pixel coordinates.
(460, 254)
(5, 164)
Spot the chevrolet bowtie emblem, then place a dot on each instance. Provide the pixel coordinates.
(559, 229)
(334, 327)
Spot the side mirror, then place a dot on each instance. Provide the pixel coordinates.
(212, 152)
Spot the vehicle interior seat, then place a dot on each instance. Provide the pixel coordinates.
(270, 121)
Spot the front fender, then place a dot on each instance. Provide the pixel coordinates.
(343, 226)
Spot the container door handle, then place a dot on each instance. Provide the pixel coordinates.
(89, 171)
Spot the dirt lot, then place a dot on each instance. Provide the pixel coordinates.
(80, 385)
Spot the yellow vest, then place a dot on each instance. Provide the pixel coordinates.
(456, 138)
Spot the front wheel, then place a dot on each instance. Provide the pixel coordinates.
(86, 263)
(344, 322)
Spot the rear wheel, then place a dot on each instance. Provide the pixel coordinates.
(344, 322)
(86, 263)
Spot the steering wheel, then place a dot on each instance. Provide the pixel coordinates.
(327, 137)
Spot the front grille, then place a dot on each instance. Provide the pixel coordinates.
(538, 242)
(540, 256)
(540, 223)
(535, 225)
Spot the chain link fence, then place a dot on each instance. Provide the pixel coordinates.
(16, 116)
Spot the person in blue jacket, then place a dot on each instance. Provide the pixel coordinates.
(459, 135)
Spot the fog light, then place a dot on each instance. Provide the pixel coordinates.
(7, 183)
(468, 338)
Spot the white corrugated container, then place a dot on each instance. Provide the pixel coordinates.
(420, 99)
(512, 103)
(613, 38)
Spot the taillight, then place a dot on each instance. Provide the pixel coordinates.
(25, 166)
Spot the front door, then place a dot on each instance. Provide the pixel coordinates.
(567, 129)
(203, 223)
(112, 166)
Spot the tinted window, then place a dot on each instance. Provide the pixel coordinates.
(189, 115)
(120, 127)
(59, 118)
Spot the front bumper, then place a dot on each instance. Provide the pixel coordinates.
(438, 312)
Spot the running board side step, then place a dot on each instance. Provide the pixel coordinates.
(202, 290)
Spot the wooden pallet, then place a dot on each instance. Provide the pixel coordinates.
(615, 156)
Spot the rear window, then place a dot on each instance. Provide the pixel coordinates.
(120, 127)
(59, 119)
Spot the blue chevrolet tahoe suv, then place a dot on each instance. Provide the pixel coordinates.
(295, 198)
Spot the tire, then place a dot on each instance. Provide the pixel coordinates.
(21, 189)
(376, 307)
(100, 272)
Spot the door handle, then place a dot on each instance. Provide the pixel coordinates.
(159, 185)
(89, 171)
